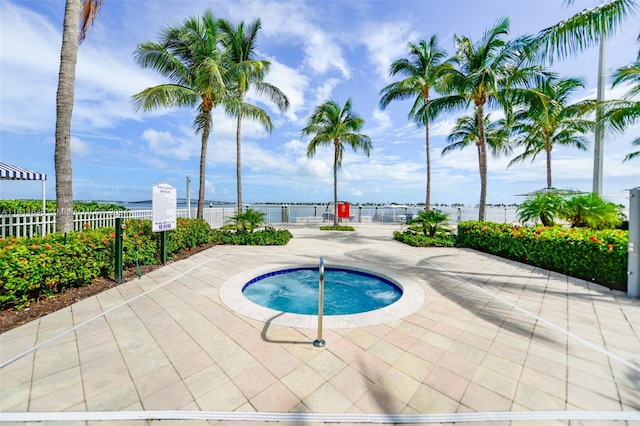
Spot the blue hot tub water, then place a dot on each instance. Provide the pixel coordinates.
(345, 291)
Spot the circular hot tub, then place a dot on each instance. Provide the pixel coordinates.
(410, 297)
(346, 291)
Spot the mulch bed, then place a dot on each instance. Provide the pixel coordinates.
(11, 318)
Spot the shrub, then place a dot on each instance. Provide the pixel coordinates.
(337, 228)
(598, 256)
(265, 237)
(428, 222)
(420, 240)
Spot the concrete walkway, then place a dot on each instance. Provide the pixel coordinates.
(494, 342)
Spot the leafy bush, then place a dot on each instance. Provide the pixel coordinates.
(249, 220)
(31, 268)
(420, 240)
(591, 211)
(544, 206)
(598, 256)
(428, 222)
(581, 210)
(337, 228)
(265, 237)
(25, 206)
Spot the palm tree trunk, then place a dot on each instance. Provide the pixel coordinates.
(335, 185)
(482, 160)
(547, 148)
(239, 162)
(64, 110)
(427, 204)
(203, 165)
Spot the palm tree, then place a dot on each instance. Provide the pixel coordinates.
(422, 69)
(331, 124)
(627, 111)
(547, 121)
(201, 76)
(577, 33)
(73, 33)
(480, 76)
(466, 132)
(240, 44)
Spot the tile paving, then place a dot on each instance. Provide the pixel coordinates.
(492, 336)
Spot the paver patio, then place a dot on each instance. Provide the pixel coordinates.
(500, 339)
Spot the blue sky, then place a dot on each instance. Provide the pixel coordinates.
(319, 50)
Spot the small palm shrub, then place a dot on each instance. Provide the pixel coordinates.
(580, 211)
(428, 222)
(591, 211)
(544, 206)
(248, 220)
(427, 230)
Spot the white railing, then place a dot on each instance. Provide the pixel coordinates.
(35, 223)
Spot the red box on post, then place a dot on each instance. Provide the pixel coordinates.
(343, 210)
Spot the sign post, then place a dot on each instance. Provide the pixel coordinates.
(633, 271)
(164, 201)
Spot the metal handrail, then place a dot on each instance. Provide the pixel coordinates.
(319, 342)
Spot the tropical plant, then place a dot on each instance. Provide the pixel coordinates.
(466, 133)
(626, 112)
(547, 120)
(422, 70)
(73, 33)
(429, 221)
(483, 74)
(331, 124)
(201, 75)
(591, 211)
(544, 205)
(248, 221)
(240, 44)
(577, 33)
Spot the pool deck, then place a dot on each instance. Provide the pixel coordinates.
(493, 342)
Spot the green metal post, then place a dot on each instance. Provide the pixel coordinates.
(118, 251)
(163, 247)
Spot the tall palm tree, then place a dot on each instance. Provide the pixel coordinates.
(547, 120)
(200, 75)
(79, 15)
(627, 111)
(466, 132)
(579, 32)
(482, 74)
(332, 124)
(422, 69)
(240, 45)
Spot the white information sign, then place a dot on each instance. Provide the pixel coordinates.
(164, 207)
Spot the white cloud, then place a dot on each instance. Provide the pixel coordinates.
(79, 147)
(323, 92)
(165, 144)
(291, 82)
(386, 42)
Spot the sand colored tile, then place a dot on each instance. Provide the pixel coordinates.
(276, 398)
(326, 364)
(351, 383)
(225, 397)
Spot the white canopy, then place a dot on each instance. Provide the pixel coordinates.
(9, 172)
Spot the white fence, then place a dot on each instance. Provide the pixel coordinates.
(32, 224)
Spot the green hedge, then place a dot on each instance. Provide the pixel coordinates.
(40, 267)
(265, 237)
(419, 240)
(37, 267)
(597, 256)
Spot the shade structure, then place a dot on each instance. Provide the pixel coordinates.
(9, 172)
